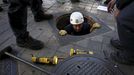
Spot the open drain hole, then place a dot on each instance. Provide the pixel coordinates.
(63, 21)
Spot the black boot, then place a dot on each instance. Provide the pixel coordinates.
(116, 43)
(122, 58)
(1, 9)
(42, 16)
(30, 43)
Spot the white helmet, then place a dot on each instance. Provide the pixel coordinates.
(76, 18)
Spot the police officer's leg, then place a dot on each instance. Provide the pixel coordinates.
(125, 27)
(18, 21)
(36, 7)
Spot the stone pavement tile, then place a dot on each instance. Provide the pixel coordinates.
(57, 8)
(52, 43)
(98, 38)
(65, 49)
(87, 1)
(35, 29)
(24, 69)
(5, 36)
(8, 42)
(94, 11)
(94, 46)
(27, 70)
(45, 29)
(111, 34)
(107, 18)
(95, 5)
(62, 54)
(67, 7)
(48, 3)
(47, 36)
(88, 8)
(83, 43)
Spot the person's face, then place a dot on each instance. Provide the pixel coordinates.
(78, 27)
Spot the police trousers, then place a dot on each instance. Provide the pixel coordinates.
(17, 15)
(125, 26)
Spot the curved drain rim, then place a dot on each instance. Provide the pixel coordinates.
(65, 18)
(107, 64)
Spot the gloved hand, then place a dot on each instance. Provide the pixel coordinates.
(62, 32)
(95, 26)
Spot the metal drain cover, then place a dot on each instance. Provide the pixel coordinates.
(86, 65)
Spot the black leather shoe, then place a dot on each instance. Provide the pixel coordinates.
(30, 43)
(121, 58)
(41, 17)
(116, 43)
(1, 9)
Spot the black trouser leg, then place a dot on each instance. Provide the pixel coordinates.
(125, 23)
(36, 7)
(18, 18)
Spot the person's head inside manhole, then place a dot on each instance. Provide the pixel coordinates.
(79, 25)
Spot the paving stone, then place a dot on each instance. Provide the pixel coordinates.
(98, 38)
(83, 43)
(111, 34)
(66, 49)
(48, 3)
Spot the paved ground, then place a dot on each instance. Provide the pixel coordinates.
(97, 41)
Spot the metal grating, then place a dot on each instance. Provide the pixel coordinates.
(85, 65)
(8, 67)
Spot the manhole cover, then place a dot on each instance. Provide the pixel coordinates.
(86, 65)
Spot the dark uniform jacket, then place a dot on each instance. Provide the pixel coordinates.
(84, 30)
(123, 3)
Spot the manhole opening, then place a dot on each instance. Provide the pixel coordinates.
(64, 20)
